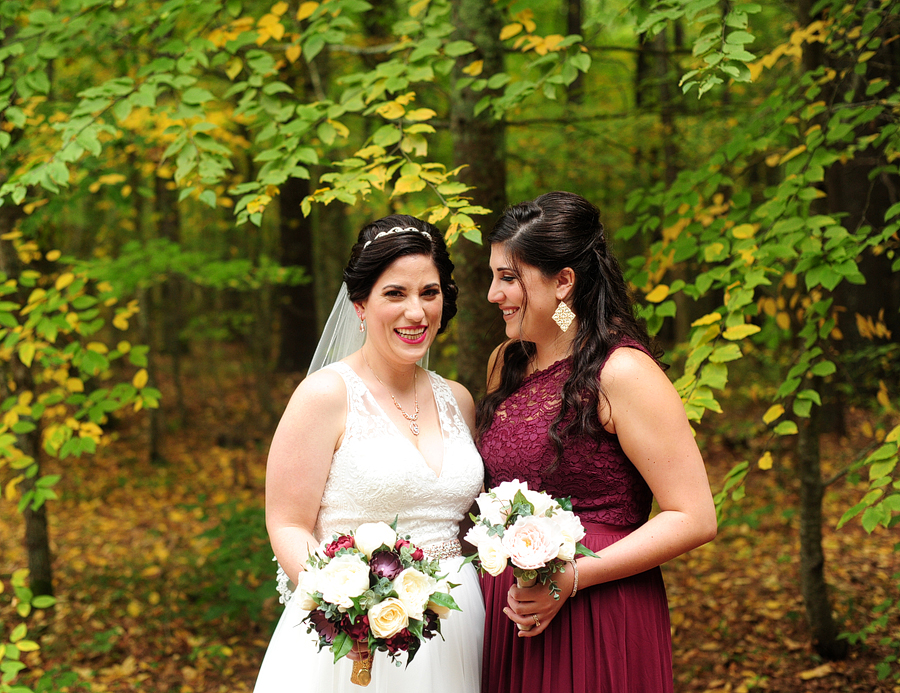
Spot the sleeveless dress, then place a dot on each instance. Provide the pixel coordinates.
(378, 474)
(613, 637)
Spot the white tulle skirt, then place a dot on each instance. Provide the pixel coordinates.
(452, 665)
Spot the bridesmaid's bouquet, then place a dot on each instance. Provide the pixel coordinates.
(531, 531)
(374, 588)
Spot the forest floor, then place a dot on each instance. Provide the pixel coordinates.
(165, 582)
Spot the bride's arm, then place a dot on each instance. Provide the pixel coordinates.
(297, 468)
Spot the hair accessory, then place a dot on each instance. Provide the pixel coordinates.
(563, 316)
(413, 426)
(575, 584)
(398, 229)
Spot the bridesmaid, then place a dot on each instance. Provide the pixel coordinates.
(578, 405)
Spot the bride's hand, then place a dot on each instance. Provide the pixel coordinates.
(359, 652)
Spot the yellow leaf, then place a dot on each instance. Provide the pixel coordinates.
(658, 294)
(123, 347)
(234, 67)
(407, 184)
(773, 413)
(98, 347)
(134, 608)
(707, 319)
(739, 332)
(279, 8)
(510, 30)
(765, 462)
(893, 436)
(772, 160)
(11, 491)
(552, 41)
(474, 69)
(63, 280)
(53, 255)
(438, 214)
(791, 154)
(26, 353)
(74, 385)
(883, 398)
(306, 10)
(390, 110)
(27, 646)
(121, 321)
(744, 231)
(420, 114)
(140, 379)
(783, 320)
(292, 52)
(817, 673)
(418, 8)
(864, 57)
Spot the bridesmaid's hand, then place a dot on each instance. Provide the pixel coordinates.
(527, 602)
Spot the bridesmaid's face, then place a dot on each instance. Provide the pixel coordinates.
(403, 310)
(526, 297)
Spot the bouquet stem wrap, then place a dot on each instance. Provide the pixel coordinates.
(362, 671)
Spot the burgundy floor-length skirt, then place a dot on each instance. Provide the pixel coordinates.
(611, 638)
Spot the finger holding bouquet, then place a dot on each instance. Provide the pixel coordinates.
(539, 537)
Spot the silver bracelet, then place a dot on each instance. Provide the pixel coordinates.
(575, 584)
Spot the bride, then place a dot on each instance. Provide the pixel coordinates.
(372, 437)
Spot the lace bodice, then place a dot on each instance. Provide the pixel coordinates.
(378, 474)
(602, 482)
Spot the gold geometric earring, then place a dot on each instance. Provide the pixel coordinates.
(563, 316)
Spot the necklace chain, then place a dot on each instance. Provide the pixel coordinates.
(413, 426)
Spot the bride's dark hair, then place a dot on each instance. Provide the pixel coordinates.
(552, 232)
(371, 256)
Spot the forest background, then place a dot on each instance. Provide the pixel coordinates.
(180, 184)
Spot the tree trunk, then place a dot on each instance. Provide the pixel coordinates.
(37, 536)
(297, 304)
(816, 599)
(480, 145)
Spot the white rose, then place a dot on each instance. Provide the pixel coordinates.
(413, 588)
(345, 577)
(493, 556)
(371, 536)
(306, 585)
(388, 617)
(491, 509)
(572, 532)
(540, 500)
(441, 611)
(506, 491)
(476, 535)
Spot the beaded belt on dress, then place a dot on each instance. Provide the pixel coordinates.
(444, 549)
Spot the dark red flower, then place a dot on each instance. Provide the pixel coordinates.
(401, 543)
(342, 542)
(385, 564)
(418, 554)
(400, 642)
(359, 630)
(325, 628)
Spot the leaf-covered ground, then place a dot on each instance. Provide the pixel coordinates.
(151, 599)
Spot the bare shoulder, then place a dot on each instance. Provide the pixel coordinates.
(323, 390)
(627, 363)
(464, 399)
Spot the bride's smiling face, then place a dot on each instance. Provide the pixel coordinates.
(403, 310)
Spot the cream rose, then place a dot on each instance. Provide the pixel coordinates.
(476, 535)
(532, 541)
(413, 588)
(306, 585)
(492, 555)
(373, 535)
(541, 501)
(388, 617)
(345, 577)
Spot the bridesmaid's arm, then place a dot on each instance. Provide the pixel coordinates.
(648, 417)
(309, 432)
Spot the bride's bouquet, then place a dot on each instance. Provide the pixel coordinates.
(374, 588)
(531, 531)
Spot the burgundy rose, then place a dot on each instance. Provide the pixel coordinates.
(342, 542)
(385, 564)
(418, 554)
(431, 626)
(325, 628)
(401, 543)
(359, 630)
(400, 642)
(415, 553)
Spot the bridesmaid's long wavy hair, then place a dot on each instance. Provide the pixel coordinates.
(552, 232)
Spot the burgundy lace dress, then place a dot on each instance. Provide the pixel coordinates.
(611, 638)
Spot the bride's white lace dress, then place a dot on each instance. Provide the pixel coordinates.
(377, 474)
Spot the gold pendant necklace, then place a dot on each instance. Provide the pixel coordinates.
(413, 426)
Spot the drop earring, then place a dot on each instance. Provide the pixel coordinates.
(563, 316)
(362, 323)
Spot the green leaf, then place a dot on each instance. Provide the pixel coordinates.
(786, 428)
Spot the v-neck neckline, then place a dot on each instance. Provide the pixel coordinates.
(437, 475)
